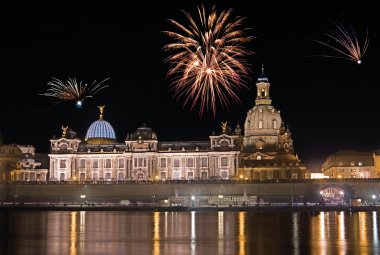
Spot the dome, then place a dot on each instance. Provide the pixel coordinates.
(100, 131)
(144, 132)
(262, 120)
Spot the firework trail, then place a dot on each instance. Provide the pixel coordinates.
(72, 90)
(345, 42)
(208, 59)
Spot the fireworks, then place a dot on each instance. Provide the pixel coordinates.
(208, 59)
(72, 90)
(345, 42)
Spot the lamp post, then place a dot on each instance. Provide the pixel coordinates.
(83, 197)
(220, 199)
(192, 200)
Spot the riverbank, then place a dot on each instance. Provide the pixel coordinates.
(117, 207)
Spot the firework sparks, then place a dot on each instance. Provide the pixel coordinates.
(345, 42)
(208, 63)
(73, 90)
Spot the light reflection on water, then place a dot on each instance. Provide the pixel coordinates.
(165, 233)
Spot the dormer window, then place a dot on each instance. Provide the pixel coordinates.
(258, 157)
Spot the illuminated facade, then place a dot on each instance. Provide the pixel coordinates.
(21, 163)
(268, 151)
(141, 157)
(350, 164)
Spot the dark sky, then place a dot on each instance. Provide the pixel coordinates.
(329, 104)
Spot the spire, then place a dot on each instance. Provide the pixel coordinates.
(263, 85)
(262, 77)
(101, 110)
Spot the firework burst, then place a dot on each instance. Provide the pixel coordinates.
(345, 42)
(208, 59)
(73, 90)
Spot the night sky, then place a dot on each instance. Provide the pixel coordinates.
(329, 104)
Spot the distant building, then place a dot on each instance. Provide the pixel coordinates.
(264, 153)
(18, 163)
(268, 151)
(350, 164)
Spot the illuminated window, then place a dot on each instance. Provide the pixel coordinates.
(95, 163)
(360, 163)
(82, 163)
(108, 163)
(260, 124)
(258, 157)
(224, 161)
(275, 124)
(121, 163)
(204, 162)
(62, 163)
(163, 162)
(352, 163)
(190, 162)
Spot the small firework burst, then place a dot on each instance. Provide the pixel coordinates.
(345, 42)
(208, 59)
(73, 90)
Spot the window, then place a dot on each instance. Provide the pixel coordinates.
(260, 124)
(82, 163)
(275, 124)
(360, 163)
(190, 175)
(258, 157)
(141, 161)
(352, 163)
(224, 174)
(163, 162)
(340, 163)
(190, 162)
(108, 163)
(95, 163)
(62, 163)
(176, 163)
(121, 163)
(204, 162)
(353, 170)
(224, 161)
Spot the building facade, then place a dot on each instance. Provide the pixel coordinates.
(21, 163)
(350, 164)
(264, 153)
(141, 157)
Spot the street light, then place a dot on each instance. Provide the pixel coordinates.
(192, 200)
(220, 198)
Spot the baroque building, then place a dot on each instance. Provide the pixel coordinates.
(351, 164)
(22, 163)
(264, 153)
(141, 156)
(268, 151)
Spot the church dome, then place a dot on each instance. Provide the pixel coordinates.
(262, 120)
(100, 131)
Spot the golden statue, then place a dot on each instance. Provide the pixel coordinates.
(64, 130)
(224, 127)
(101, 109)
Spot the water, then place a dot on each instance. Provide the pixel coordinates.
(93, 232)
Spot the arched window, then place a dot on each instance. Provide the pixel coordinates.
(258, 157)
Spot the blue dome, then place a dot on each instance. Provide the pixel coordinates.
(100, 131)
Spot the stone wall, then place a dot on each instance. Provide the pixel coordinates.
(272, 192)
